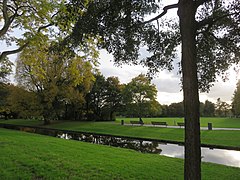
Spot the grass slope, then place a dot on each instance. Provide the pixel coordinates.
(32, 156)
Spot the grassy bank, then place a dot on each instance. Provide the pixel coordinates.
(217, 122)
(32, 156)
(225, 138)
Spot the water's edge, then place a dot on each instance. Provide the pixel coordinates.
(63, 131)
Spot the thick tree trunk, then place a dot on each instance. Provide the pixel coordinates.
(192, 165)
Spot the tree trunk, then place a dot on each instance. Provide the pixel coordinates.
(192, 164)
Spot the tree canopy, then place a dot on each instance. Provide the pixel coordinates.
(208, 31)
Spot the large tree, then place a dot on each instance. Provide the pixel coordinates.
(208, 31)
(59, 78)
(139, 96)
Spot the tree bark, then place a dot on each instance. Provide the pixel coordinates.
(192, 164)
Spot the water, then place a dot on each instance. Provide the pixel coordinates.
(219, 156)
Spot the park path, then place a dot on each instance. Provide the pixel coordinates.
(202, 128)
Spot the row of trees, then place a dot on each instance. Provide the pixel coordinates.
(207, 109)
(207, 49)
(105, 98)
(98, 98)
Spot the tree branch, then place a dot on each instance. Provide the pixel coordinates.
(6, 53)
(165, 9)
(211, 21)
(200, 2)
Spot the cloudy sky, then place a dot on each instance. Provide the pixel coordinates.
(168, 83)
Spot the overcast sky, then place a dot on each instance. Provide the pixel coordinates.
(168, 83)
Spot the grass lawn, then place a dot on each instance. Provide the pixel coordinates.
(217, 122)
(31, 156)
(216, 137)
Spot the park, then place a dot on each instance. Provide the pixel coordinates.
(119, 89)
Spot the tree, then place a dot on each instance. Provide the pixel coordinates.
(236, 100)
(113, 95)
(176, 110)
(96, 99)
(222, 108)
(22, 103)
(209, 109)
(207, 49)
(30, 16)
(139, 95)
(5, 69)
(56, 76)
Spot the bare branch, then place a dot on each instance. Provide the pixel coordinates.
(6, 53)
(165, 9)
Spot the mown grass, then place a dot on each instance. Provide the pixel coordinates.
(32, 156)
(217, 122)
(216, 137)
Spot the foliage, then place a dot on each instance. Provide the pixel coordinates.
(209, 34)
(105, 98)
(17, 102)
(59, 78)
(5, 69)
(236, 100)
(209, 109)
(222, 108)
(139, 96)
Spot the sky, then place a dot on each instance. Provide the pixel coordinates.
(167, 83)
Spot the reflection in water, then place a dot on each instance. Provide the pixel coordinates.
(220, 156)
(138, 145)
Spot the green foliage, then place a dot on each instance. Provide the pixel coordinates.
(17, 102)
(105, 98)
(222, 108)
(209, 109)
(123, 30)
(139, 95)
(5, 68)
(236, 100)
(59, 78)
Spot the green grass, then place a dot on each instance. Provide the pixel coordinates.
(32, 156)
(216, 137)
(217, 122)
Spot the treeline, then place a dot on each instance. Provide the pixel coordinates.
(105, 98)
(207, 109)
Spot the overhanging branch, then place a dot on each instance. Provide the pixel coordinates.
(6, 53)
(165, 9)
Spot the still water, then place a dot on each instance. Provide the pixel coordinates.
(219, 156)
